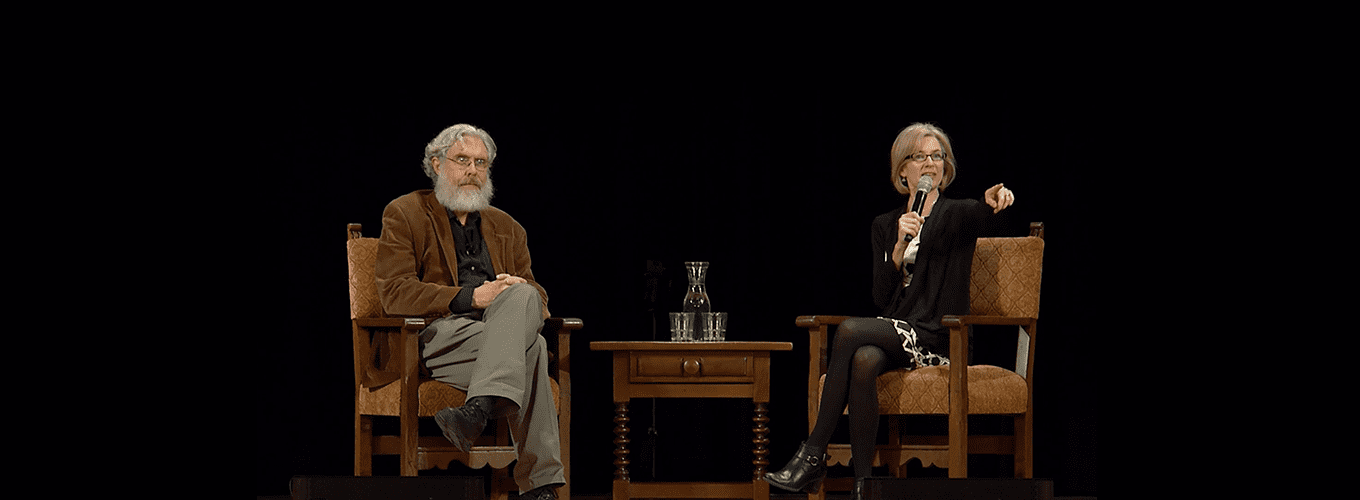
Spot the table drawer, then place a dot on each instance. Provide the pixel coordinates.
(689, 366)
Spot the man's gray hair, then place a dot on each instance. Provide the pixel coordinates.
(440, 145)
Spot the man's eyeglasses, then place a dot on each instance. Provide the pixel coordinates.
(468, 161)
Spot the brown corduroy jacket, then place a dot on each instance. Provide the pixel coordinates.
(417, 265)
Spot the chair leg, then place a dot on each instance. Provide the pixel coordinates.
(819, 495)
(501, 484)
(1024, 447)
(958, 445)
(410, 442)
(363, 445)
(564, 438)
(895, 468)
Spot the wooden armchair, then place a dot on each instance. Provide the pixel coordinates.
(1004, 290)
(388, 381)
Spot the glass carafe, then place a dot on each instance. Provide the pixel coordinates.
(696, 299)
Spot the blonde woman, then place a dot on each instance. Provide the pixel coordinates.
(921, 270)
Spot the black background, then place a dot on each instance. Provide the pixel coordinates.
(774, 181)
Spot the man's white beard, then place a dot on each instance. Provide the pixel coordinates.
(458, 199)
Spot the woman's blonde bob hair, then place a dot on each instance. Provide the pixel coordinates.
(908, 143)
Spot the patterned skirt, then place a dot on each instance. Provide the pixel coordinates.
(921, 356)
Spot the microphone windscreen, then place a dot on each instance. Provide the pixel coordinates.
(925, 184)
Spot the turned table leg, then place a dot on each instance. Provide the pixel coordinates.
(761, 441)
(621, 441)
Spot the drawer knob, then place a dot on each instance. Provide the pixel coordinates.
(692, 366)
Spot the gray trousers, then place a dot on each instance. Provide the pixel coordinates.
(504, 355)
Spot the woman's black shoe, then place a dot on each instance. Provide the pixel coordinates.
(804, 472)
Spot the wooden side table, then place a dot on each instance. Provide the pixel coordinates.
(691, 370)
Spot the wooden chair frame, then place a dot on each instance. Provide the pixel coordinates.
(387, 358)
(938, 450)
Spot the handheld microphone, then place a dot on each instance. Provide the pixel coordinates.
(923, 188)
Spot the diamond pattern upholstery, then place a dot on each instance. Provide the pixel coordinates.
(1006, 276)
(434, 396)
(992, 390)
(363, 287)
(1004, 290)
(363, 303)
(380, 387)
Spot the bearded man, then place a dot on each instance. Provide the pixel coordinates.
(447, 253)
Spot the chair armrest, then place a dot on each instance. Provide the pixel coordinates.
(954, 321)
(414, 325)
(555, 324)
(563, 325)
(559, 355)
(819, 320)
(818, 327)
(399, 350)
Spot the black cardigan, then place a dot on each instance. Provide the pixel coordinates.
(940, 279)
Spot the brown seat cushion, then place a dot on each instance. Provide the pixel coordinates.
(434, 396)
(925, 391)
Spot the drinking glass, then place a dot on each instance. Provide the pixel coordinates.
(682, 327)
(713, 326)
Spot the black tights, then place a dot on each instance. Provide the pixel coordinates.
(863, 349)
